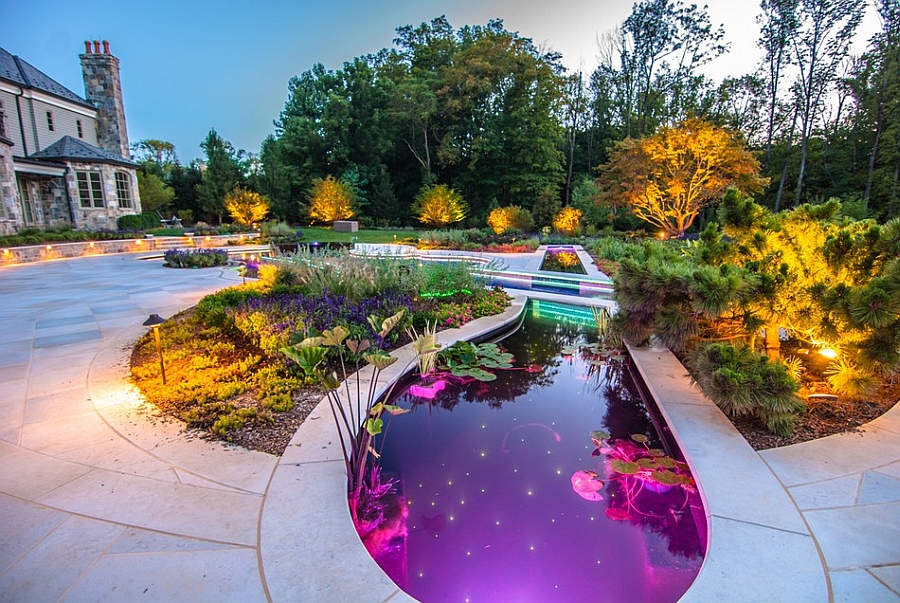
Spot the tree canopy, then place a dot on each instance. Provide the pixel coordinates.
(668, 178)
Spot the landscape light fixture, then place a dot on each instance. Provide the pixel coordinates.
(154, 321)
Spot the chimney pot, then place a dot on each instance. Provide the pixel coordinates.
(105, 46)
(96, 47)
(87, 47)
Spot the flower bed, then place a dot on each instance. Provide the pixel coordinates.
(195, 258)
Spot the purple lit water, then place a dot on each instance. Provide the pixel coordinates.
(488, 512)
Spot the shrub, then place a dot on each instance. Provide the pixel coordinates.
(138, 222)
(503, 219)
(212, 309)
(441, 279)
(195, 258)
(439, 206)
(246, 207)
(742, 382)
(568, 221)
(331, 200)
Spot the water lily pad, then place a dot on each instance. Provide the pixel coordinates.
(640, 438)
(665, 462)
(599, 436)
(647, 463)
(664, 477)
(656, 452)
(625, 467)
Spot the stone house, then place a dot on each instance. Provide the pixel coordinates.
(64, 159)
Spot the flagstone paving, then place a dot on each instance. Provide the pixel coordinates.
(103, 500)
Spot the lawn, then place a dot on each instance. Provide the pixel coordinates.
(327, 235)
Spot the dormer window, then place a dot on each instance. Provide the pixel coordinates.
(49, 121)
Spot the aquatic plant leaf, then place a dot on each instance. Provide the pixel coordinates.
(335, 337)
(640, 438)
(395, 410)
(330, 381)
(656, 452)
(482, 375)
(665, 462)
(666, 478)
(625, 467)
(599, 435)
(617, 514)
(310, 342)
(568, 350)
(358, 346)
(647, 463)
(374, 425)
(533, 368)
(380, 360)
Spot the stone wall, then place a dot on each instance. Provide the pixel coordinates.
(103, 87)
(9, 211)
(56, 251)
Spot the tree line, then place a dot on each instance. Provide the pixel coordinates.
(485, 112)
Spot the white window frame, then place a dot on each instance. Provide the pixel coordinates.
(123, 190)
(90, 190)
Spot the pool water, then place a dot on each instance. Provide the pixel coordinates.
(562, 258)
(486, 509)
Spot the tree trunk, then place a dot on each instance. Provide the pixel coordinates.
(773, 342)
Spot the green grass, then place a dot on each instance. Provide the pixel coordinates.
(327, 235)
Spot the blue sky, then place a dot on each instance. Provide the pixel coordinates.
(193, 65)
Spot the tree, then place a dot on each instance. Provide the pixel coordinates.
(820, 43)
(660, 47)
(439, 206)
(155, 194)
(778, 26)
(246, 207)
(331, 200)
(222, 174)
(502, 219)
(157, 152)
(668, 178)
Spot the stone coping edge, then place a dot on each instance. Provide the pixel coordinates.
(758, 541)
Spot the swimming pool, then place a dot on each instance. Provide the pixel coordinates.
(509, 491)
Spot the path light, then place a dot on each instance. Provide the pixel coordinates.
(154, 321)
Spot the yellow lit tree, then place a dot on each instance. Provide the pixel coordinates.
(502, 219)
(439, 206)
(568, 221)
(331, 200)
(246, 207)
(668, 178)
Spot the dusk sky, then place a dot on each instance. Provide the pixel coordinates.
(193, 65)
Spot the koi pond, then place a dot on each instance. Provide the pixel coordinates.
(550, 483)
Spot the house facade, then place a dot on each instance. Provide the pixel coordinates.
(64, 159)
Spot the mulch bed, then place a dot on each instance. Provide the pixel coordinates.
(823, 420)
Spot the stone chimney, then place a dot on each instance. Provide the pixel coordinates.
(103, 88)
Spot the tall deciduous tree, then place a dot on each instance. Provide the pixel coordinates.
(668, 178)
(778, 23)
(820, 43)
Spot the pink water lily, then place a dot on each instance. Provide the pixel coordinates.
(587, 485)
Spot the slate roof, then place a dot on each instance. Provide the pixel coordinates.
(72, 149)
(16, 70)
